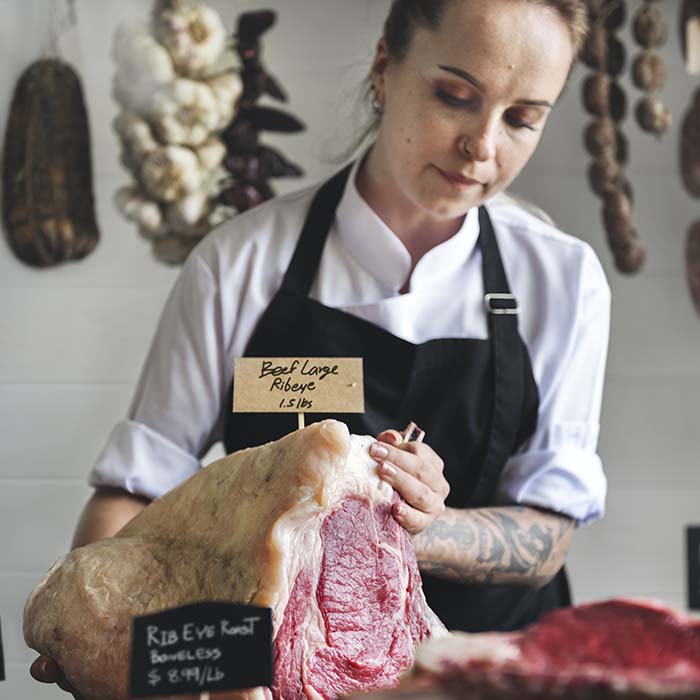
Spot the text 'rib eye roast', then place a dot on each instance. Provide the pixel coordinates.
(302, 525)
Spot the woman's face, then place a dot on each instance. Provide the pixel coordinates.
(468, 102)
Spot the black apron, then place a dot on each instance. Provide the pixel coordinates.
(476, 399)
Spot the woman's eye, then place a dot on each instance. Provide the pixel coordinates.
(519, 123)
(450, 99)
(454, 101)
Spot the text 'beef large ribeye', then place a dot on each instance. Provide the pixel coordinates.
(302, 525)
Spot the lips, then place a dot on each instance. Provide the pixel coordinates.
(458, 178)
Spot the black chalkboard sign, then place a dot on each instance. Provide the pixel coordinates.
(693, 552)
(2, 659)
(201, 648)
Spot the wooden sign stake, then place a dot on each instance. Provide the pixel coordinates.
(301, 420)
(204, 696)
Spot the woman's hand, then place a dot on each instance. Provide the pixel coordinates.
(46, 670)
(415, 472)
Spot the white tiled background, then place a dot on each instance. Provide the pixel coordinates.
(72, 339)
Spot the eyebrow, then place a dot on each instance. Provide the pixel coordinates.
(478, 84)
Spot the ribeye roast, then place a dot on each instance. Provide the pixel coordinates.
(302, 525)
(601, 651)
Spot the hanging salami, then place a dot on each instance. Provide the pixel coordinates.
(692, 260)
(690, 35)
(649, 72)
(48, 202)
(605, 100)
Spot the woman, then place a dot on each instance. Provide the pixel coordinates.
(398, 262)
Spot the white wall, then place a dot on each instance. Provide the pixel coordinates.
(74, 337)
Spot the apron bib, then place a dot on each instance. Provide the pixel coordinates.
(476, 399)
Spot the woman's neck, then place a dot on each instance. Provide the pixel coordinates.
(416, 229)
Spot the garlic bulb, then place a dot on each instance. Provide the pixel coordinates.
(195, 37)
(135, 135)
(174, 108)
(137, 207)
(140, 54)
(227, 89)
(127, 159)
(134, 93)
(211, 153)
(160, 6)
(171, 172)
(142, 66)
(184, 112)
(219, 214)
(188, 215)
(124, 35)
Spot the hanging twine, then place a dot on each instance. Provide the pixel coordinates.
(63, 18)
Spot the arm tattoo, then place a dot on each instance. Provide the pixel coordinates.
(512, 544)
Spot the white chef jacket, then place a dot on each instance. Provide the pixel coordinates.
(232, 275)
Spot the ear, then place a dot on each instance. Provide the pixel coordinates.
(379, 66)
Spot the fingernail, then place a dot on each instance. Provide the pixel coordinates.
(378, 450)
(400, 509)
(387, 469)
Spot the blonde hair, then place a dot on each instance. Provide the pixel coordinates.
(406, 16)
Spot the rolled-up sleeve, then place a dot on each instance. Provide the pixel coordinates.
(174, 414)
(141, 461)
(558, 468)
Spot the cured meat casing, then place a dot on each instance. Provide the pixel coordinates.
(48, 202)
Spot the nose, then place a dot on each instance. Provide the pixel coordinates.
(479, 142)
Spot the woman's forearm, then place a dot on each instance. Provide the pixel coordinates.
(107, 511)
(509, 544)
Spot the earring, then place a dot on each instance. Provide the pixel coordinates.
(377, 106)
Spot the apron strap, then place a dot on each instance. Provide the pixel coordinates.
(506, 346)
(305, 262)
(507, 354)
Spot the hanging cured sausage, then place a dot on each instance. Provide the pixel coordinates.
(690, 141)
(48, 203)
(605, 100)
(649, 72)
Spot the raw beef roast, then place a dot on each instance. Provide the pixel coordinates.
(615, 649)
(302, 525)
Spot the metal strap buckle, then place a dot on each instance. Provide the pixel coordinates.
(501, 309)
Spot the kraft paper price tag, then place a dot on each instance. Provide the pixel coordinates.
(298, 385)
(201, 648)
